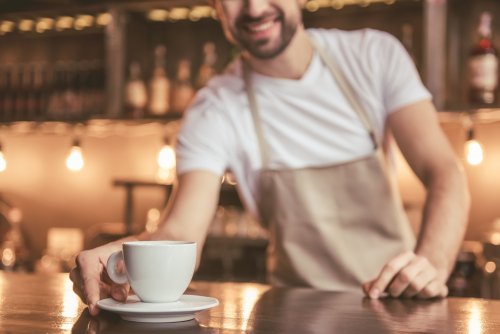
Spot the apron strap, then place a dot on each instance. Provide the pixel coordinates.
(255, 114)
(348, 92)
(344, 86)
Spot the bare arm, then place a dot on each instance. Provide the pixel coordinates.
(190, 210)
(427, 150)
(187, 217)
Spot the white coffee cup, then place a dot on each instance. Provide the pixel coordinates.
(158, 271)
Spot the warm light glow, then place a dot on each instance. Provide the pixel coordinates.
(8, 257)
(158, 15)
(70, 300)
(337, 4)
(83, 21)
(3, 162)
(180, 13)
(166, 157)
(103, 19)
(153, 220)
(15, 215)
(26, 25)
(475, 322)
(199, 12)
(6, 26)
(44, 24)
(165, 175)
(75, 161)
(64, 22)
(250, 297)
(490, 267)
(312, 6)
(473, 152)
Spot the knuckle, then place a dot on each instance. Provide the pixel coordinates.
(429, 291)
(405, 277)
(416, 286)
(390, 267)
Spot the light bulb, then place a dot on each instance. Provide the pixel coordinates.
(473, 149)
(3, 162)
(473, 152)
(75, 161)
(166, 157)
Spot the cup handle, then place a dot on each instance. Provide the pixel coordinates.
(117, 277)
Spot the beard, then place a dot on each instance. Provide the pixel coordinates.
(265, 48)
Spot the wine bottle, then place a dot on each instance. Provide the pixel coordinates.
(3, 88)
(19, 96)
(182, 90)
(55, 101)
(30, 104)
(8, 96)
(136, 97)
(483, 65)
(159, 86)
(207, 68)
(407, 40)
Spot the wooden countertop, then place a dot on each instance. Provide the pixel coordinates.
(47, 304)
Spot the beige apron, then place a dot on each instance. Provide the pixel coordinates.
(331, 227)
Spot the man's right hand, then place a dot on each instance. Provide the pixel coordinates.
(91, 281)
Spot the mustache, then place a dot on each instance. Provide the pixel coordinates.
(248, 19)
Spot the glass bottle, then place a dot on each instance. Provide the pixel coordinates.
(483, 65)
(159, 86)
(3, 87)
(207, 68)
(8, 96)
(19, 96)
(407, 40)
(136, 97)
(30, 103)
(182, 90)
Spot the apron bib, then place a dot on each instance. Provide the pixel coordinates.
(332, 227)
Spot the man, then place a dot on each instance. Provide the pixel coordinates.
(299, 121)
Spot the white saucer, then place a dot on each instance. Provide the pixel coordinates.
(182, 310)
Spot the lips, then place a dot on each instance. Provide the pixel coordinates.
(260, 28)
(257, 27)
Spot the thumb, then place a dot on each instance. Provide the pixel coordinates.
(367, 286)
(119, 292)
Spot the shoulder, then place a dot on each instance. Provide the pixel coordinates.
(360, 42)
(214, 103)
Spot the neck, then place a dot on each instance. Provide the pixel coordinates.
(292, 63)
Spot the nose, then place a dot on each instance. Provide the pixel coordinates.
(255, 8)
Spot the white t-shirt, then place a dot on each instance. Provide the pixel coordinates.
(306, 122)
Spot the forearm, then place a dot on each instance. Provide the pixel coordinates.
(444, 219)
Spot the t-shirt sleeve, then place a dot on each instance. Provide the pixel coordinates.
(202, 143)
(400, 79)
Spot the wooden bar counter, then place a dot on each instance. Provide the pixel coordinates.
(47, 304)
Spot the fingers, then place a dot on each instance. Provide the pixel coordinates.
(388, 273)
(407, 275)
(412, 278)
(119, 292)
(435, 289)
(89, 280)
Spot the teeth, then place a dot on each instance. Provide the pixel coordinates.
(260, 27)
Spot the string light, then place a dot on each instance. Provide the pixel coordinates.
(75, 161)
(166, 162)
(473, 149)
(166, 156)
(3, 162)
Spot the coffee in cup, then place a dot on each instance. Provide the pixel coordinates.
(158, 271)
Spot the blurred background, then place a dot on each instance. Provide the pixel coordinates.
(92, 94)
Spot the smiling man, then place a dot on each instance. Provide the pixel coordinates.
(299, 120)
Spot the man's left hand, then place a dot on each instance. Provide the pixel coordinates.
(408, 275)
